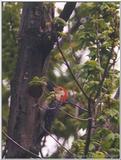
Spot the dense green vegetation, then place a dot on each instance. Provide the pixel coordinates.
(96, 41)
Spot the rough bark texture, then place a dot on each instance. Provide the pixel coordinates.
(35, 44)
(34, 48)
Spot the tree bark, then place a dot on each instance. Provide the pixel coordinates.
(35, 43)
(34, 48)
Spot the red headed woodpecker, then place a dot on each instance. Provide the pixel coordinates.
(51, 109)
(61, 93)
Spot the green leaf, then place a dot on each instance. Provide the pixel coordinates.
(91, 147)
(98, 154)
(38, 81)
(110, 136)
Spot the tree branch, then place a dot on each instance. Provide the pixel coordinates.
(104, 73)
(71, 71)
(80, 119)
(89, 128)
(67, 11)
(92, 104)
(26, 150)
(82, 109)
(58, 142)
(4, 151)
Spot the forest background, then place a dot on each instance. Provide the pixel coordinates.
(86, 63)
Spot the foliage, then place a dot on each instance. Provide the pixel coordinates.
(38, 81)
(87, 50)
(99, 32)
(59, 22)
(10, 22)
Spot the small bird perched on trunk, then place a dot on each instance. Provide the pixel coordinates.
(49, 98)
(51, 108)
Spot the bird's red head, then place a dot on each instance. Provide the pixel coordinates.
(61, 93)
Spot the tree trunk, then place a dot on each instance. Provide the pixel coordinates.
(34, 48)
(36, 39)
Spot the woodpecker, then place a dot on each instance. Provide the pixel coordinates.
(51, 111)
(61, 94)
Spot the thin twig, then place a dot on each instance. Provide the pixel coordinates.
(73, 104)
(41, 153)
(89, 128)
(20, 145)
(92, 104)
(58, 142)
(104, 74)
(90, 114)
(80, 119)
(4, 151)
(71, 71)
